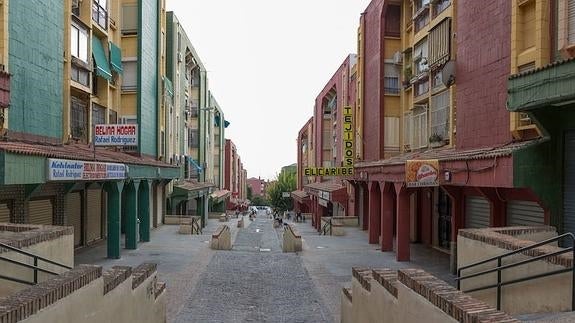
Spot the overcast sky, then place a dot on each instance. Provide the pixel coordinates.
(267, 60)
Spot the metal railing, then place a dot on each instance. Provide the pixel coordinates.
(196, 226)
(326, 229)
(501, 267)
(35, 266)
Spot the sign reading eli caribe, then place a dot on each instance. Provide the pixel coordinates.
(116, 135)
(347, 149)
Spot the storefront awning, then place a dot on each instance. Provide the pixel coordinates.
(300, 196)
(116, 58)
(191, 188)
(220, 195)
(102, 66)
(330, 191)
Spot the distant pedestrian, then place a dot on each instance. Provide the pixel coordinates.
(298, 216)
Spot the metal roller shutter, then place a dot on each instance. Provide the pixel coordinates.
(5, 212)
(74, 215)
(569, 183)
(94, 215)
(41, 211)
(524, 213)
(477, 212)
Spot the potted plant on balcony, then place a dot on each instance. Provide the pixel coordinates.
(407, 76)
(435, 141)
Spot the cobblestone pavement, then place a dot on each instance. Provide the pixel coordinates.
(255, 282)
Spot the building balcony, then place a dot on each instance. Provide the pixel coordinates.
(549, 86)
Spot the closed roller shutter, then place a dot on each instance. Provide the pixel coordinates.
(477, 211)
(74, 215)
(41, 211)
(94, 216)
(5, 212)
(524, 213)
(569, 183)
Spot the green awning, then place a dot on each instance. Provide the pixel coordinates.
(226, 123)
(168, 86)
(116, 58)
(102, 66)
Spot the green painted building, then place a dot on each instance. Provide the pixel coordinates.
(547, 95)
(105, 193)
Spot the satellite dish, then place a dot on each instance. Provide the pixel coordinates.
(448, 73)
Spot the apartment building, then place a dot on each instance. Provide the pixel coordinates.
(305, 159)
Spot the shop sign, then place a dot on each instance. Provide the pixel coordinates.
(422, 173)
(116, 135)
(328, 171)
(79, 170)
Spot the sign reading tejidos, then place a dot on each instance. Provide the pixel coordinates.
(347, 149)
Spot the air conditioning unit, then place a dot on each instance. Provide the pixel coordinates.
(397, 58)
(180, 57)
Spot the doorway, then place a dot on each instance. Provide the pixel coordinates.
(444, 219)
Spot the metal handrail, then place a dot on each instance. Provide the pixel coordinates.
(35, 266)
(501, 267)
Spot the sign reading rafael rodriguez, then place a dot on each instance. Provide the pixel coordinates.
(116, 135)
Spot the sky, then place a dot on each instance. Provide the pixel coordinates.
(267, 61)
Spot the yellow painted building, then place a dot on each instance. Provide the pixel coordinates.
(427, 100)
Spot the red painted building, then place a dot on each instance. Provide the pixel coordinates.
(258, 186)
(235, 176)
(328, 195)
(475, 170)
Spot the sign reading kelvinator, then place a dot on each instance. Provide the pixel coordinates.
(116, 135)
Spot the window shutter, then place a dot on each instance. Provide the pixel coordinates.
(130, 75)
(129, 18)
(391, 134)
(439, 44)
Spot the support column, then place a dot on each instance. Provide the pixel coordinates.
(457, 211)
(114, 201)
(365, 207)
(498, 216)
(402, 230)
(144, 210)
(387, 212)
(132, 215)
(374, 212)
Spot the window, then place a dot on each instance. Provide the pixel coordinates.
(80, 74)
(439, 6)
(79, 43)
(421, 86)
(407, 121)
(421, 17)
(527, 24)
(419, 128)
(439, 44)
(440, 115)
(393, 21)
(129, 19)
(391, 79)
(391, 135)
(98, 114)
(112, 116)
(193, 138)
(79, 119)
(130, 76)
(100, 13)
(420, 57)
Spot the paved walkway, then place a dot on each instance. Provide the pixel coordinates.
(255, 281)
